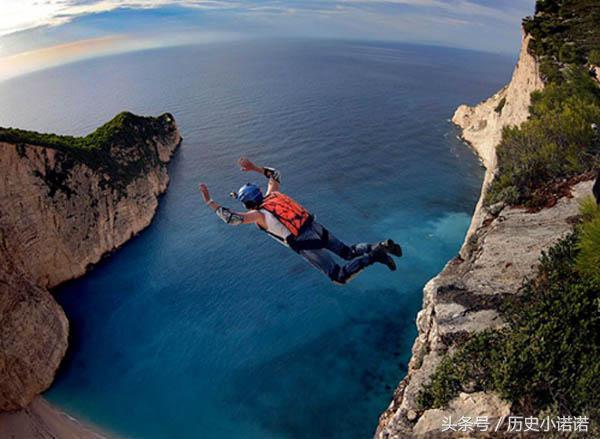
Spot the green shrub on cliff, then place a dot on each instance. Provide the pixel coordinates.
(557, 142)
(568, 54)
(472, 363)
(111, 132)
(121, 149)
(548, 354)
(564, 32)
(594, 57)
(588, 259)
(550, 72)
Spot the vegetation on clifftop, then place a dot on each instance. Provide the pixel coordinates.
(121, 149)
(548, 356)
(123, 129)
(564, 32)
(558, 141)
(588, 257)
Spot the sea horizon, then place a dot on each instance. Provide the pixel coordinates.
(510, 55)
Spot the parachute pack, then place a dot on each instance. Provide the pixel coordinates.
(287, 211)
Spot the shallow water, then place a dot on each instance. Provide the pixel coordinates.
(195, 329)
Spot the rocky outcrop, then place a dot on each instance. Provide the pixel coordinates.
(63, 210)
(464, 298)
(595, 72)
(482, 125)
(64, 204)
(33, 336)
(502, 247)
(475, 405)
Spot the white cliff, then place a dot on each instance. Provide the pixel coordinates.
(501, 248)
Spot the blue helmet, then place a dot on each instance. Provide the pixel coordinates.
(251, 195)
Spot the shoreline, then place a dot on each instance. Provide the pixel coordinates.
(42, 420)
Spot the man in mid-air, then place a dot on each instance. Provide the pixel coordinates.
(292, 225)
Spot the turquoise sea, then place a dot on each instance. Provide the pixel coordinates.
(198, 330)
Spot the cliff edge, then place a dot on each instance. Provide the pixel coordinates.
(502, 247)
(65, 202)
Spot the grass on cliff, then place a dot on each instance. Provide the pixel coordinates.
(556, 143)
(549, 353)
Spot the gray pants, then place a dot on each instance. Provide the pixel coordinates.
(316, 245)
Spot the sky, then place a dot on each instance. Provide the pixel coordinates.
(36, 34)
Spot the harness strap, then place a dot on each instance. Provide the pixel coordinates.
(310, 244)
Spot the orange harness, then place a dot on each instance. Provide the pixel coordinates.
(287, 211)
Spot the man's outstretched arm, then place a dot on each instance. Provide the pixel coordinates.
(228, 216)
(272, 174)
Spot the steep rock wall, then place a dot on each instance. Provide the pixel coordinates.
(482, 124)
(501, 248)
(33, 336)
(61, 210)
(60, 215)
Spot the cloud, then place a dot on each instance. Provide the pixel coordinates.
(73, 29)
(18, 15)
(461, 10)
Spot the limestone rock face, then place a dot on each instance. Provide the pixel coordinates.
(502, 247)
(464, 298)
(482, 125)
(61, 210)
(472, 405)
(596, 71)
(60, 214)
(33, 337)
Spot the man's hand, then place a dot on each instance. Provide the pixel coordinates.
(204, 191)
(247, 166)
(271, 173)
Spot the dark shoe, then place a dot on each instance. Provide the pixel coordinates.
(380, 255)
(391, 247)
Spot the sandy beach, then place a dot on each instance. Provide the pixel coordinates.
(40, 420)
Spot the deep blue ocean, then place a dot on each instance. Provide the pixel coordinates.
(198, 330)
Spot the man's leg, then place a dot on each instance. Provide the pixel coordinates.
(336, 246)
(324, 262)
(349, 252)
(315, 245)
